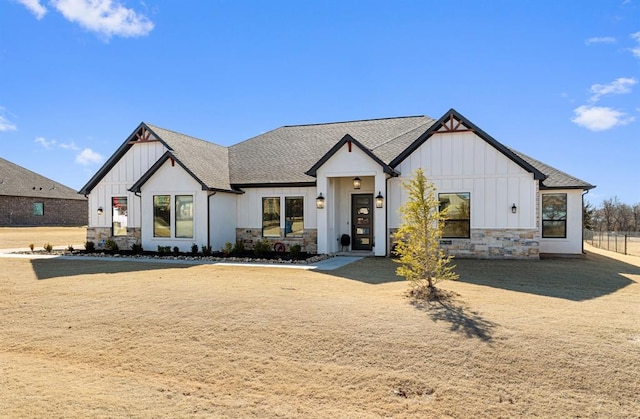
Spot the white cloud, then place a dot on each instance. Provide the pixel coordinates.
(106, 17)
(619, 86)
(596, 118)
(69, 146)
(6, 125)
(48, 144)
(88, 156)
(600, 40)
(34, 7)
(636, 50)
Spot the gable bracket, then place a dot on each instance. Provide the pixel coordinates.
(453, 124)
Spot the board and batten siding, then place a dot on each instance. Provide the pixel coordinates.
(172, 179)
(463, 162)
(119, 179)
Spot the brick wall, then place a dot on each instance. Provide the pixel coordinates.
(494, 244)
(18, 211)
(308, 242)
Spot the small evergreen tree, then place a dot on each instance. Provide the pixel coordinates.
(422, 261)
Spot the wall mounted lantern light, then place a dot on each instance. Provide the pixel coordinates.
(100, 211)
(320, 201)
(379, 200)
(357, 182)
(514, 209)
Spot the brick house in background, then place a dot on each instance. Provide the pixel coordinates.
(29, 199)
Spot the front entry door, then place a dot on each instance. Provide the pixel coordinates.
(362, 221)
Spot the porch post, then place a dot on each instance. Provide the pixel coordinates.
(380, 216)
(322, 214)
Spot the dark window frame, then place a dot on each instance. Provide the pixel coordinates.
(164, 217)
(464, 222)
(291, 216)
(179, 215)
(271, 219)
(115, 201)
(555, 219)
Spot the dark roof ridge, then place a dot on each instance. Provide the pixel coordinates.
(356, 120)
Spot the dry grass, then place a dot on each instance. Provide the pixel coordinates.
(22, 237)
(550, 338)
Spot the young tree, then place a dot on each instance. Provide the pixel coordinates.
(417, 241)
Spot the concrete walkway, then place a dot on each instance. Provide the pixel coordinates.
(323, 265)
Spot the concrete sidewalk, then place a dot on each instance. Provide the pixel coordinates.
(323, 265)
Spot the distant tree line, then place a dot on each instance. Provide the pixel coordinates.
(612, 215)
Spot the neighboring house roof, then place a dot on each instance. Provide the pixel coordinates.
(292, 154)
(17, 181)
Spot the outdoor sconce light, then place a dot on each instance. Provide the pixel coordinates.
(357, 182)
(100, 211)
(379, 200)
(320, 201)
(514, 209)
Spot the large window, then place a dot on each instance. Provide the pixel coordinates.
(184, 216)
(162, 216)
(458, 207)
(554, 215)
(271, 217)
(119, 216)
(293, 216)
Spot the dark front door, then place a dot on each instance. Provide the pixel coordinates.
(362, 221)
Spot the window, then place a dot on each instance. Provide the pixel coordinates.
(162, 216)
(184, 216)
(554, 215)
(119, 216)
(271, 217)
(38, 208)
(458, 206)
(294, 216)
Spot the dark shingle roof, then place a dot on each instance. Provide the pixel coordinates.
(207, 162)
(556, 179)
(286, 153)
(18, 181)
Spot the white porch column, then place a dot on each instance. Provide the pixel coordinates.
(322, 215)
(380, 216)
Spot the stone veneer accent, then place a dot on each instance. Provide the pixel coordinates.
(99, 235)
(308, 242)
(493, 244)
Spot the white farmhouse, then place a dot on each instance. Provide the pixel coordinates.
(331, 187)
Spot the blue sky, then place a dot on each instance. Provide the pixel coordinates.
(557, 80)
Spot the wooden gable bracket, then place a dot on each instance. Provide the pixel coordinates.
(143, 135)
(453, 125)
(349, 145)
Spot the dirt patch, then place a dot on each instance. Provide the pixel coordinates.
(554, 338)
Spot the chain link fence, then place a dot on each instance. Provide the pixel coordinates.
(616, 241)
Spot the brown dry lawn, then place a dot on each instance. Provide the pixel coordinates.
(549, 338)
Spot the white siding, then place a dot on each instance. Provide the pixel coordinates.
(463, 162)
(572, 244)
(222, 216)
(249, 208)
(119, 179)
(173, 180)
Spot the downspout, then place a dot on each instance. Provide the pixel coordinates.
(582, 218)
(209, 218)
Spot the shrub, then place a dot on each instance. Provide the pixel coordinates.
(238, 248)
(137, 248)
(206, 250)
(194, 249)
(48, 247)
(176, 250)
(228, 248)
(261, 247)
(70, 248)
(90, 246)
(32, 246)
(111, 245)
(164, 249)
(295, 250)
